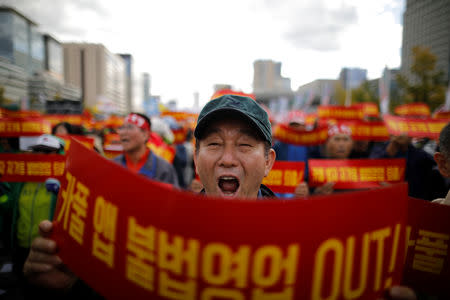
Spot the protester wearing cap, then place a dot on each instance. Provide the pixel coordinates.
(233, 148)
(442, 158)
(423, 177)
(137, 157)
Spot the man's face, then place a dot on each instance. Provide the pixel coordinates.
(339, 146)
(231, 160)
(132, 137)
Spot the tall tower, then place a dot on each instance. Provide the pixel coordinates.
(427, 23)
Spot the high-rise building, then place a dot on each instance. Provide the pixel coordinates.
(31, 63)
(314, 93)
(146, 86)
(267, 78)
(426, 23)
(129, 80)
(351, 78)
(99, 73)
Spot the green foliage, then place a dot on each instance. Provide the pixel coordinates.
(430, 87)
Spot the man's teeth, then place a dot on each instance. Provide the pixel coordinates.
(227, 177)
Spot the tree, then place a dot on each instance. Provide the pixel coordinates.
(364, 94)
(339, 94)
(430, 87)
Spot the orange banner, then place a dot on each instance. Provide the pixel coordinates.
(285, 176)
(71, 119)
(179, 136)
(6, 113)
(164, 243)
(369, 109)
(413, 110)
(288, 135)
(30, 167)
(372, 131)
(355, 173)
(164, 151)
(414, 127)
(442, 115)
(340, 112)
(178, 115)
(231, 92)
(13, 127)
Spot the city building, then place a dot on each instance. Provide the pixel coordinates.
(351, 78)
(31, 64)
(426, 23)
(314, 93)
(146, 85)
(269, 87)
(99, 73)
(267, 78)
(129, 80)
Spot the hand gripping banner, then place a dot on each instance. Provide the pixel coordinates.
(154, 242)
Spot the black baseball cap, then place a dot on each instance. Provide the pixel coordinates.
(244, 106)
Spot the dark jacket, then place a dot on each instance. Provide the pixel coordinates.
(155, 168)
(423, 177)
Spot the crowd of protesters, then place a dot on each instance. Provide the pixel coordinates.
(427, 167)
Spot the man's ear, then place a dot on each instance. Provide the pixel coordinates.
(270, 160)
(443, 164)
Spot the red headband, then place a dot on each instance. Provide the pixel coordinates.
(339, 129)
(138, 121)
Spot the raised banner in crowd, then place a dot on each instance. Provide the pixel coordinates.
(14, 127)
(179, 136)
(413, 110)
(427, 266)
(442, 115)
(155, 242)
(72, 119)
(355, 173)
(369, 109)
(30, 167)
(6, 113)
(340, 112)
(288, 135)
(285, 176)
(364, 130)
(414, 127)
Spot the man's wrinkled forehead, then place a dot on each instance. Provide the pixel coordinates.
(240, 124)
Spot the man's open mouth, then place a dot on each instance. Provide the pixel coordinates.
(228, 184)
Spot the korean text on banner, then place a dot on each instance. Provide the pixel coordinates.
(156, 242)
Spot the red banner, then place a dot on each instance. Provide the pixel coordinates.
(285, 176)
(72, 119)
(230, 92)
(340, 112)
(413, 110)
(19, 113)
(155, 242)
(413, 127)
(427, 266)
(13, 127)
(369, 109)
(372, 131)
(179, 136)
(442, 115)
(355, 173)
(179, 115)
(30, 167)
(288, 135)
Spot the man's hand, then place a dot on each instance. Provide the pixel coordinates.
(396, 144)
(399, 293)
(326, 189)
(302, 190)
(43, 266)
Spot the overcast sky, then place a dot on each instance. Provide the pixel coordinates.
(189, 46)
